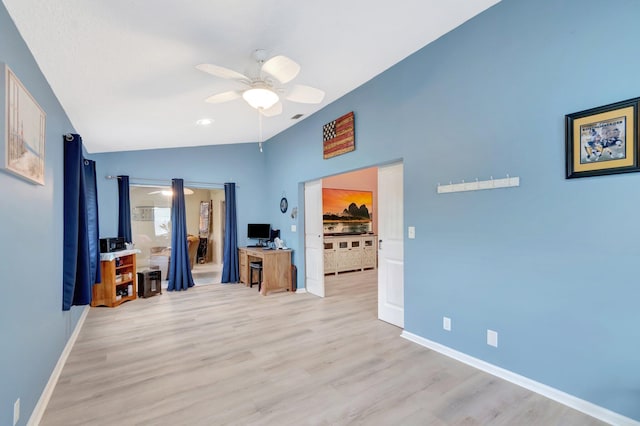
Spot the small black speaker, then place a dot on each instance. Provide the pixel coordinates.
(149, 283)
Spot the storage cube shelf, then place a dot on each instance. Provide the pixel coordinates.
(118, 273)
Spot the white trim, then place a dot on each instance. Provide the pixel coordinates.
(586, 407)
(301, 290)
(38, 411)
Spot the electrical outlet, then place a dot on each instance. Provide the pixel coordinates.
(412, 232)
(446, 323)
(16, 412)
(293, 228)
(492, 338)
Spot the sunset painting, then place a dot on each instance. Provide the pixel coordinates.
(346, 211)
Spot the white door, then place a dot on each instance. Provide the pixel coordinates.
(313, 237)
(391, 245)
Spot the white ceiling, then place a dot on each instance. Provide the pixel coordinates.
(124, 72)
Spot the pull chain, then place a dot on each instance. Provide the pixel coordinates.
(260, 128)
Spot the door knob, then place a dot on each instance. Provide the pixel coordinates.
(379, 244)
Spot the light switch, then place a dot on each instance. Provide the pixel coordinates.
(446, 323)
(492, 338)
(412, 232)
(293, 228)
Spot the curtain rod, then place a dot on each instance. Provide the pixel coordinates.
(164, 182)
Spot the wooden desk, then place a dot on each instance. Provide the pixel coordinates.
(276, 267)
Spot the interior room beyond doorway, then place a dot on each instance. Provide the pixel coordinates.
(151, 230)
(359, 188)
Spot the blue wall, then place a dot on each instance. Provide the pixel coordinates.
(549, 265)
(33, 328)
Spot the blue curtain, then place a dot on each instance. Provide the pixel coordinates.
(180, 277)
(124, 209)
(93, 228)
(230, 258)
(80, 253)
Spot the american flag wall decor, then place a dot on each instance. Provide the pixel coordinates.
(338, 136)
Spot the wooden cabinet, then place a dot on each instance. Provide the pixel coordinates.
(350, 253)
(276, 267)
(329, 256)
(369, 252)
(244, 265)
(118, 277)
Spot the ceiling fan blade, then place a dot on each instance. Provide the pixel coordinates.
(276, 109)
(167, 191)
(222, 72)
(305, 94)
(281, 68)
(223, 97)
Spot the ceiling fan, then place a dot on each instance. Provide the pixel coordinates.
(168, 191)
(263, 90)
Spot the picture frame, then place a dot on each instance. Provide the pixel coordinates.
(23, 153)
(603, 140)
(338, 136)
(347, 211)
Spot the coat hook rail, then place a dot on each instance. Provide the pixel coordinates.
(479, 185)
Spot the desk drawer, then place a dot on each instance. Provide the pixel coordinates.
(243, 264)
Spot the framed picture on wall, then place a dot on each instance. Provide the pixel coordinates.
(602, 140)
(346, 211)
(25, 131)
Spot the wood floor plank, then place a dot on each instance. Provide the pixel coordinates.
(224, 354)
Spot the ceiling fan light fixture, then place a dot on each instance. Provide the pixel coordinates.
(259, 97)
(204, 122)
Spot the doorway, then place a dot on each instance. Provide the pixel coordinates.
(387, 226)
(151, 230)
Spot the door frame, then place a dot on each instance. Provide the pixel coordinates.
(305, 205)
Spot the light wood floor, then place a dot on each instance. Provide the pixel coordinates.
(223, 354)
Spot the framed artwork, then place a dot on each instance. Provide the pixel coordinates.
(347, 211)
(142, 214)
(602, 140)
(338, 136)
(205, 219)
(24, 152)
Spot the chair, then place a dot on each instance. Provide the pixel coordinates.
(160, 258)
(192, 248)
(257, 267)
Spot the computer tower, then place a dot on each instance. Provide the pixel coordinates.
(149, 283)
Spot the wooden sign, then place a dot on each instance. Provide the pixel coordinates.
(338, 136)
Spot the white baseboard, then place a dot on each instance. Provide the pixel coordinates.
(301, 290)
(581, 405)
(38, 411)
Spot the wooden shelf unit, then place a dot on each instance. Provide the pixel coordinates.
(350, 253)
(119, 265)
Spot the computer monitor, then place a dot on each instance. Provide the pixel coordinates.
(259, 231)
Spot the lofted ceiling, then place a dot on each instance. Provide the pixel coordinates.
(124, 70)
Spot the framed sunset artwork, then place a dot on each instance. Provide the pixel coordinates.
(346, 211)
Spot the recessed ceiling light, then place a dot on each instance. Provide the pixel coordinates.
(204, 122)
